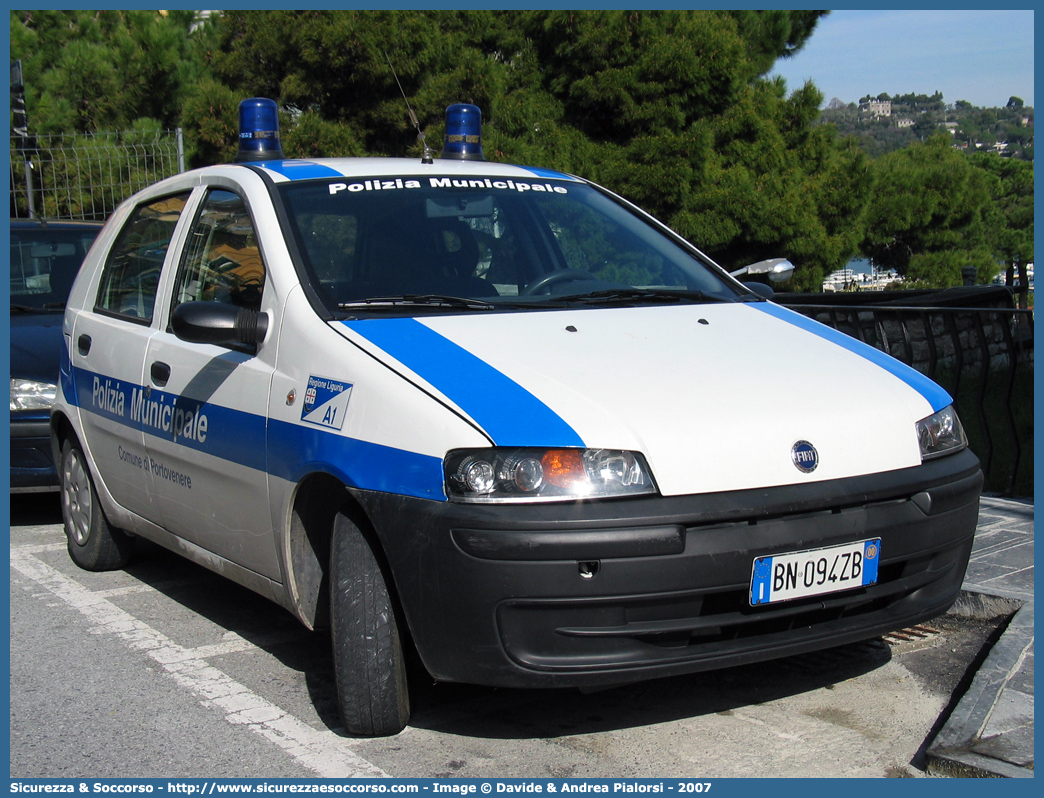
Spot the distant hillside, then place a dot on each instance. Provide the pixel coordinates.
(881, 124)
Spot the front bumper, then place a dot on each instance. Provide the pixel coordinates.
(586, 594)
(32, 464)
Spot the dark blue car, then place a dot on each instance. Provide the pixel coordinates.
(45, 257)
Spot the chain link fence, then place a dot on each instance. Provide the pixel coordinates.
(86, 176)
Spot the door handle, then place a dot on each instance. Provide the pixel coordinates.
(83, 344)
(160, 373)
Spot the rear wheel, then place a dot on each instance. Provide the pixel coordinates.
(93, 543)
(369, 665)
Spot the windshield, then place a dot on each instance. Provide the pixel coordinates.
(494, 242)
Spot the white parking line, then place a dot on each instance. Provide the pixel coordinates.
(233, 643)
(40, 548)
(127, 590)
(321, 751)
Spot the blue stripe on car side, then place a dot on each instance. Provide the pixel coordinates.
(295, 450)
(232, 435)
(936, 396)
(509, 414)
(291, 451)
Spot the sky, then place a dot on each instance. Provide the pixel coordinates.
(984, 57)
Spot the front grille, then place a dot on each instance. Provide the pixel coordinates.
(727, 615)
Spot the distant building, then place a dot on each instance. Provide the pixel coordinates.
(200, 19)
(903, 122)
(877, 108)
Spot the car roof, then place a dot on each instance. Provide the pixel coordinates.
(293, 170)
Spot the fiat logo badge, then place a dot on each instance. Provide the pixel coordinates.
(805, 457)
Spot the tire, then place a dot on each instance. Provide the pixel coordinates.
(93, 544)
(369, 665)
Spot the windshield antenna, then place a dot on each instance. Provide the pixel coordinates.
(427, 157)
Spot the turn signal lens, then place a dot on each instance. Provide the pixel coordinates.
(564, 468)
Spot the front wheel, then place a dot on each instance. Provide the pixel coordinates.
(369, 666)
(93, 543)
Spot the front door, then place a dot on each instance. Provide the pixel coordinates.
(205, 421)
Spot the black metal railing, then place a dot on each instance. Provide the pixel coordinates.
(982, 356)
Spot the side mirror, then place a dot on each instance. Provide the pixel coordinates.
(218, 323)
(761, 289)
(777, 269)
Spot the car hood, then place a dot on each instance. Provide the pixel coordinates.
(36, 346)
(715, 396)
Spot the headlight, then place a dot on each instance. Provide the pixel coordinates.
(513, 475)
(31, 395)
(941, 434)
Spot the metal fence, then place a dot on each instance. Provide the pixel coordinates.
(86, 176)
(984, 359)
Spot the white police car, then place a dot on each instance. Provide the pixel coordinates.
(495, 415)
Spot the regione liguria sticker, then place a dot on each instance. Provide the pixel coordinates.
(326, 402)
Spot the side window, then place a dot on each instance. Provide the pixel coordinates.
(132, 270)
(222, 259)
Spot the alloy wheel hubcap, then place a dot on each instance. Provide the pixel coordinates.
(76, 499)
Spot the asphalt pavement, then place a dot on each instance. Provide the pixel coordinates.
(989, 732)
(986, 730)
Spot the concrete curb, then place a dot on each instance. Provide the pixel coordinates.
(990, 732)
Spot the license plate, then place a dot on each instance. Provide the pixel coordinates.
(799, 574)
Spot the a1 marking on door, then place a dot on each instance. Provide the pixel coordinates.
(326, 402)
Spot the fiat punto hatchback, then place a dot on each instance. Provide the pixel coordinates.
(495, 416)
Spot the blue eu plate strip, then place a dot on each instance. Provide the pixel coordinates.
(871, 559)
(508, 413)
(934, 394)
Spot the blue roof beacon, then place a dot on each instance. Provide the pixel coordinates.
(463, 133)
(259, 131)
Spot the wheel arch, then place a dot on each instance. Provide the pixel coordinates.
(62, 429)
(319, 498)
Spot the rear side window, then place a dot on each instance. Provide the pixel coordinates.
(222, 258)
(132, 270)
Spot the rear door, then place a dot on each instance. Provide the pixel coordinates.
(107, 351)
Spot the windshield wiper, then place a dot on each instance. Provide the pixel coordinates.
(417, 300)
(625, 296)
(37, 308)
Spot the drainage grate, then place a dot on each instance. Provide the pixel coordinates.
(908, 634)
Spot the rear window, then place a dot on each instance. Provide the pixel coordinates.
(44, 263)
